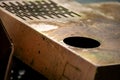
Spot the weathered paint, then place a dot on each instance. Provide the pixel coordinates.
(44, 49)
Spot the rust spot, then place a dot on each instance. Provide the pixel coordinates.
(39, 52)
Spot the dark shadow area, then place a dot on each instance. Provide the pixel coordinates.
(108, 73)
(21, 71)
(5, 50)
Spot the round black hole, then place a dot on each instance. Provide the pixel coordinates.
(81, 42)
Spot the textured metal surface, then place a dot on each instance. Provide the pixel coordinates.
(84, 47)
(37, 9)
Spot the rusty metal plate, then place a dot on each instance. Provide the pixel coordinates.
(66, 40)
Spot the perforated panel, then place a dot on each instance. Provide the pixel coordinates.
(37, 9)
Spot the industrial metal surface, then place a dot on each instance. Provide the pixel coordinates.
(66, 40)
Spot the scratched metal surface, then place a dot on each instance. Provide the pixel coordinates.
(97, 21)
(66, 29)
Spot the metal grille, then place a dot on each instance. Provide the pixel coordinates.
(37, 9)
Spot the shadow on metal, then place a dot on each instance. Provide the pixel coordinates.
(11, 67)
(6, 51)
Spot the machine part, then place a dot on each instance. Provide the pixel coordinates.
(44, 38)
(6, 52)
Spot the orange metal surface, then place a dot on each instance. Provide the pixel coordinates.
(66, 40)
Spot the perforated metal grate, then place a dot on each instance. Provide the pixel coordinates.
(37, 9)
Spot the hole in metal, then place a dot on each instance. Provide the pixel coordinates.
(81, 42)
